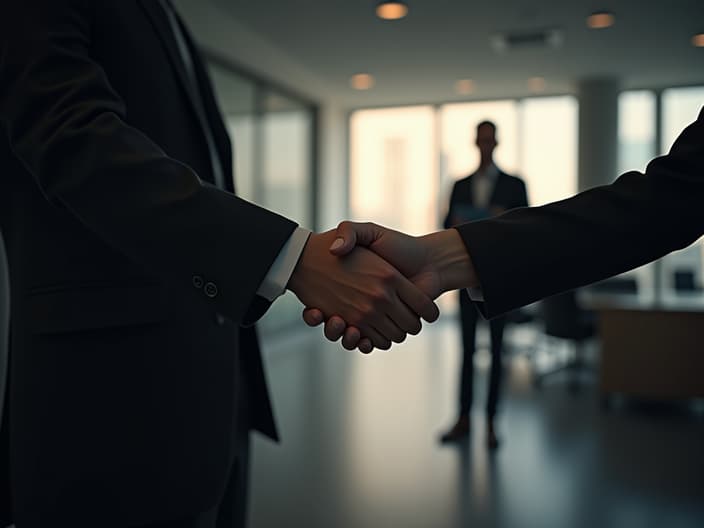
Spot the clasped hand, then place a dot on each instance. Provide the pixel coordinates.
(372, 285)
(359, 286)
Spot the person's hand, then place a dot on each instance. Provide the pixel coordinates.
(435, 263)
(362, 288)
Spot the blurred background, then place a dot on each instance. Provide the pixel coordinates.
(358, 109)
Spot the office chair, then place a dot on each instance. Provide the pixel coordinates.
(564, 319)
(685, 280)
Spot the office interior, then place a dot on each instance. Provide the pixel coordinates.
(338, 114)
(335, 114)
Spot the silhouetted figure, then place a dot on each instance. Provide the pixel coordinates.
(485, 193)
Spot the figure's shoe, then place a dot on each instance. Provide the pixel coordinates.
(458, 432)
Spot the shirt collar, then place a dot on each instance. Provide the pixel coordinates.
(491, 172)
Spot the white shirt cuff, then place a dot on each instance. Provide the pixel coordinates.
(476, 294)
(274, 284)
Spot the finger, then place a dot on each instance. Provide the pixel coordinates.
(377, 338)
(365, 346)
(352, 338)
(334, 328)
(389, 329)
(352, 234)
(313, 316)
(405, 319)
(416, 300)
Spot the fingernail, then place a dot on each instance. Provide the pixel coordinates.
(337, 244)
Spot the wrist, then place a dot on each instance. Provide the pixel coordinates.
(447, 252)
(312, 260)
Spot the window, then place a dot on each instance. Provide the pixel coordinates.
(680, 107)
(685, 268)
(638, 138)
(548, 148)
(393, 169)
(636, 130)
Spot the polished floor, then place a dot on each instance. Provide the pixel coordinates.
(360, 446)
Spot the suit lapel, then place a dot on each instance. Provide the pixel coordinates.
(210, 108)
(161, 25)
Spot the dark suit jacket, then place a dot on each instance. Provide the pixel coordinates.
(131, 274)
(509, 192)
(4, 333)
(532, 253)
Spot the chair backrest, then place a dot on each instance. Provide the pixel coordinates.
(684, 280)
(563, 316)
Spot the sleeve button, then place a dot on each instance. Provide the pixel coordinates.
(211, 290)
(198, 281)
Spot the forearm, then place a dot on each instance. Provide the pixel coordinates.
(531, 253)
(72, 133)
(447, 252)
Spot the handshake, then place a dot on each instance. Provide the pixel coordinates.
(372, 286)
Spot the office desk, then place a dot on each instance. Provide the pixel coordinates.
(652, 350)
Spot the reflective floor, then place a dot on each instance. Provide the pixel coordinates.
(360, 446)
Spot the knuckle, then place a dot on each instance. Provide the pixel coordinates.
(388, 275)
(381, 297)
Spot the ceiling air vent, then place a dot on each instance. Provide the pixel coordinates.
(518, 40)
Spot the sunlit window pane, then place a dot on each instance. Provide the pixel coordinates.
(681, 106)
(393, 172)
(636, 130)
(548, 135)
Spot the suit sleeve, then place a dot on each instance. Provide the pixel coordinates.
(68, 127)
(532, 253)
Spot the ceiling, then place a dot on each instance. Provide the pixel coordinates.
(419, 58)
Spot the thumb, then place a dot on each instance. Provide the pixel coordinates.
(351, 234)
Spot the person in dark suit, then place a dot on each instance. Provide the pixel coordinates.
(532, 253)
(135, 373)
(4, 344)
(487, 192)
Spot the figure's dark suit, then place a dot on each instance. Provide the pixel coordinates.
(508, 192)
(532, 253)
(131, 273)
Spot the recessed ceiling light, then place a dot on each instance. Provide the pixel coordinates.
(698, 40)
(464, 86)
(536, 84)
(391, 10)
(362, 81)
(601, 20)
